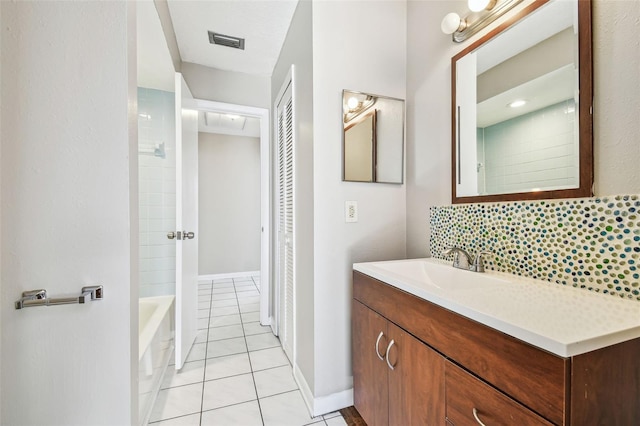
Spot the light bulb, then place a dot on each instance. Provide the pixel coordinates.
(352, 103)
(452, 23)
(518, 103)
(478, 5)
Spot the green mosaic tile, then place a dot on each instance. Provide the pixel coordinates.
(588, 243)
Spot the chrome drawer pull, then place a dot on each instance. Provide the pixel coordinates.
(377, 343)
(391, 343)
(475, 415)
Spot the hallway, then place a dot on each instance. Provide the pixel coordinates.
(236, 372)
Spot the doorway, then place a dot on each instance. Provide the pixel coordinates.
(261, 114)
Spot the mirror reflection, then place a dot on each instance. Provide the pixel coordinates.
(373, 138)
(516, 107)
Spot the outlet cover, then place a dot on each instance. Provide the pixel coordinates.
(351, 211)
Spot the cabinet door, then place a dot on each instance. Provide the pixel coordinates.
(369, 372)
(416, 383)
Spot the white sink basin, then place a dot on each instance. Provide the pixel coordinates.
(427, 274)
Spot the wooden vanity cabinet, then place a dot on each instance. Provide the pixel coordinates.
(446, 365)
(398, 380)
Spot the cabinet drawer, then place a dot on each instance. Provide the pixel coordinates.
(466, 394)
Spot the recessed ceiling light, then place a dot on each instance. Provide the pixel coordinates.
(518, 103)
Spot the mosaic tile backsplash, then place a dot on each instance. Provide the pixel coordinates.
(589, 243)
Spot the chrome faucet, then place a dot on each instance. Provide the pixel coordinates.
(464, 261)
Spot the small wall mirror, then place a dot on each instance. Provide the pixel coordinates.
(372, 138)
(521, 108)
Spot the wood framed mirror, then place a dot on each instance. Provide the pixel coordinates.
(542, 146)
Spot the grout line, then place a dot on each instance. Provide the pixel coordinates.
(253, 378)
(206, 349)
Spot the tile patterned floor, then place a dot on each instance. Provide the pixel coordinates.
(236, 373)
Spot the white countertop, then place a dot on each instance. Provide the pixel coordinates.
(563, 320)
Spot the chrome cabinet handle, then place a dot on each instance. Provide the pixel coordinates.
(377, 343)
(475, 416)
(391, 343)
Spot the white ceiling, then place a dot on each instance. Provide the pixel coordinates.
(262, 23)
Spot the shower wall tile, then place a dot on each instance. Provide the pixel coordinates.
(516, 155)
(157, 188)
(588, 243)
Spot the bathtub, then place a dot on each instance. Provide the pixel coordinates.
(155, 346)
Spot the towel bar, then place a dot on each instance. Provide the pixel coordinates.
(39, 297)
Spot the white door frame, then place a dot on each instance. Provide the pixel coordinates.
(265, 191)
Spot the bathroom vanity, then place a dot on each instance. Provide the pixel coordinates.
(438, 346)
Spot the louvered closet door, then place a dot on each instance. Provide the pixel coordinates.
(285, 221)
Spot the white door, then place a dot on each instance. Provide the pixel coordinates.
(68, 212)
(284, 132)
(186, 223)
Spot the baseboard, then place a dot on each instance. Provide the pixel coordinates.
(227, 275)
(324, 404)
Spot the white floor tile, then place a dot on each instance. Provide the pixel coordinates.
(224, 302)
(228, 391)
(286, 409)
(336, 421)
(226, 347)
(245, 414)
(201, 337)
(247, 293)
(226, 332)
(223, 290)
(198, 351)
(251, 317)
(226, 310)
(223, 296)
(251, 307)
(225, 320)
(176, 402)
(204, 305)
(247, 300)
(203, 323)
(274, 381)
(334, 414)
(268, 358)
(203, 313)
(192, 372)
(227, 366)
(192, 420)
(251, 328)
(262, 341)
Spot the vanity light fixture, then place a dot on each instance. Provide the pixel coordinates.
(478, 5)
(352, 103)
(483, 12)
(517, 103)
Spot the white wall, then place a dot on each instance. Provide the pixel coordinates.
(358, 46)
(617, 101)
(227, 86)
(229, 203)
(68, 213)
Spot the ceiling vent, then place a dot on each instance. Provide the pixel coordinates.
(225, 40)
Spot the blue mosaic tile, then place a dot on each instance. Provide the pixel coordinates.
(588, 243)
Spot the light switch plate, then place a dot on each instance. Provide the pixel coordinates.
(351, 211)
